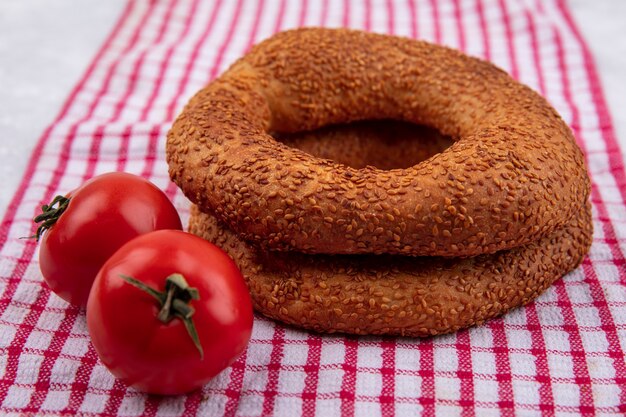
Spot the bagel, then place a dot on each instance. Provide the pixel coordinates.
(392, 294)
(513, 177)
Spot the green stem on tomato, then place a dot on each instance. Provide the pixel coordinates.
(165, 313)
(174, 303)
(50, 214)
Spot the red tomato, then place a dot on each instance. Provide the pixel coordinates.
(99, 217)
(156, 353)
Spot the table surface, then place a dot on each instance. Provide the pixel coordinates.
(46, 46)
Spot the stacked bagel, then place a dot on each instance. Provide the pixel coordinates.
(381, 227)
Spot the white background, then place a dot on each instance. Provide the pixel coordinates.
(45, 46)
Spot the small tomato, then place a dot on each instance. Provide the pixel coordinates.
(84, 228)
(168, 311)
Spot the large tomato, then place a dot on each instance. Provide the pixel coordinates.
(83, 229)
(168, 311)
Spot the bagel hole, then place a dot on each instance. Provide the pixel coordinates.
(384, 144)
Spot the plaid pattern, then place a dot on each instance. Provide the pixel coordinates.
(562, 355)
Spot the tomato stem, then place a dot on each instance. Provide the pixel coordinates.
(165, 313)
(174, 303)
(50, 214)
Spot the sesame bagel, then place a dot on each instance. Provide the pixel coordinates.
(392, 294)
(399, 295)
(513, 176)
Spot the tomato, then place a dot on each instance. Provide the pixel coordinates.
(84, 228)
(153, 348)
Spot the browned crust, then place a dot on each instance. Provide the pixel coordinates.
(514, 175)
(384, 144)
(384, 294)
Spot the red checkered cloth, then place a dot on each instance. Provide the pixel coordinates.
(561, 355)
